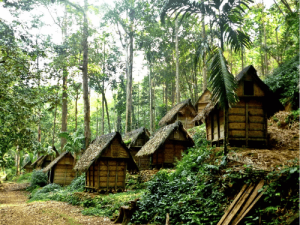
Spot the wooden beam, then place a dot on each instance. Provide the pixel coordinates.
(232, 204)
(238, 205)
(249, 201)
(250, 207)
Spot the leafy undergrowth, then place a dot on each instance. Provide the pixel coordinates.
(202, 187)
(109, 205)
(100, 205)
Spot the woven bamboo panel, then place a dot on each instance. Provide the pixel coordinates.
(235, 118)
(256, 111)
(256, 119)
(237, 133)
(258, 91)
(237, 126)
(256, 133)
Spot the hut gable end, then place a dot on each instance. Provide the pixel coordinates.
(167, 132)
(137, 138)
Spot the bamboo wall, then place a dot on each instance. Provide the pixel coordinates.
(63, 172)
(171, 150)
(108, 172)
(247, 121)
(203, 101)
(142, 162)
(28, 169)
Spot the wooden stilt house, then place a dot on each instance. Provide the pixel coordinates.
(105, 162)
(183, 111)
(135, 140)
(167, 145)
(60, 170)
(42, 161)
(246, 120)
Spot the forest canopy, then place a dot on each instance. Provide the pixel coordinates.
(85, 68)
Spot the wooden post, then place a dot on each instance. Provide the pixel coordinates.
(218, 122)
(247, 124)
(265, 126)
(125, 175)
(93, 175)
(212, 126)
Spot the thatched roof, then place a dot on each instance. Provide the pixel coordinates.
(134, 135)
(171, 114)
(39, 160)
(55, 161)
(272, 104)
(27, 163)
(160, 137)
(95, 150)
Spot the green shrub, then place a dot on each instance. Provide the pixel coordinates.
(284, 82)
(77, 184)
(38, 178)
(24, 178)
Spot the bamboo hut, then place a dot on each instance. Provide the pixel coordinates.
(135, 140)
(183, 111)
(60, 170)
(247, 120)
(203, 100)
(105, 162)
(27, 167)
(167, 145)
(41, 162)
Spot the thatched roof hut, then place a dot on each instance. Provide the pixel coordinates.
(167, 144)
(247, 119)
(105, 162)
(135, 140)
(183, 111)
(136, 137)
(42, 161)
(203, 100)
(27, 167)
(60, 170)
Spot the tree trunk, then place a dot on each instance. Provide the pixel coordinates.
(18, 161)
(54, 120)
(226, 129)
(166, 96)
(129, 85)
(87, 129)
(177, 61)
(107, 114)
(242, 56)
(138, 103)
(151, 101)
(97, 117)
(64, 107)
(204, 70)
(76, 110)
(102, 122)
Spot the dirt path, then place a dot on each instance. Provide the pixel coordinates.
(15, 210)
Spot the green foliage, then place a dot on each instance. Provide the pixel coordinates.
(293, 116)
(284, 82)
(77, 184)
(24, 178)
(38, 178)
(127, 142)
(107, 205)
(74, 141)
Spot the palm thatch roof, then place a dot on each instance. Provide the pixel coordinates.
(171, 114)
(134, 135)
(27, 163)
(97, 148)
(160, 137)
(39, 160)
(272, 104)
(55, 161)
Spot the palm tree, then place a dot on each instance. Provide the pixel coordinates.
(227, 16)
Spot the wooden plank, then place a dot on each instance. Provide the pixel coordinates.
(249, 201)
(247, 124)
(232, 204)
(238, 205)
(250, 207)
(107, 174)
(116, 177)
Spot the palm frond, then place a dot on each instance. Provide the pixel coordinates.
(221, 81)
(237, 39)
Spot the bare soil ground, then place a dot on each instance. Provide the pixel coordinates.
(15, 210)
